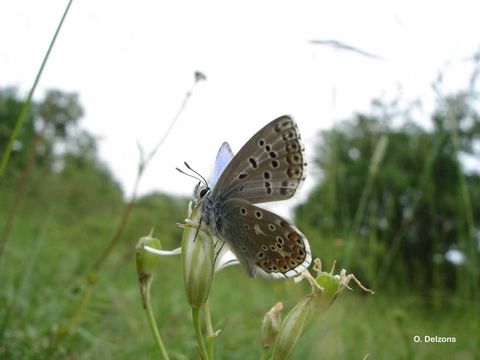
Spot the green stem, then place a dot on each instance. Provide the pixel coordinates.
(198, 332)
(26, 105)
(151, 320)
(375, 163)
(210, 331)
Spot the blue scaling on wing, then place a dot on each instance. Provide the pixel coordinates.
(224, 156)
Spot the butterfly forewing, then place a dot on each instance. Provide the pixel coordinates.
(224, 156)
(269, 167)
(263, 241)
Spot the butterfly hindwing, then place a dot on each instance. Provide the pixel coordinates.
(269, 167)
(263, 241)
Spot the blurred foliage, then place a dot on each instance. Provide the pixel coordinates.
(52, 121)
(67, 182)
(10, 107)
(415, 210)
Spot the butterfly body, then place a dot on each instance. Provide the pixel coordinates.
(213, 213)
(269, 167)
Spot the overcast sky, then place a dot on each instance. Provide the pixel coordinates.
(133, 61)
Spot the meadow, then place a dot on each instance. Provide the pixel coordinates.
(41, 279)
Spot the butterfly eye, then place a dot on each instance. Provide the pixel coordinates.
(204, 192)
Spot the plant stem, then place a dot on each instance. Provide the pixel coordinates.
(198, 332)
(118, 231)
(470, 243)
(151, 319)
(210, 331)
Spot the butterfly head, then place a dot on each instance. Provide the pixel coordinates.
(200, 191)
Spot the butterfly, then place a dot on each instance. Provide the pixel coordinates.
(269, 167)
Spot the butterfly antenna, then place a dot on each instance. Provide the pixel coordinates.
(190, 175)
(189, 168)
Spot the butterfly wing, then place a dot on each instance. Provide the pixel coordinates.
(269, 167)
(263, 241)
(224, 156)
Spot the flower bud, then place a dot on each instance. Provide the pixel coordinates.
(146, 262)
(292, 328)
(330, 283)
(327, 285)
(271, 325)
(197, 262)
(334, 284)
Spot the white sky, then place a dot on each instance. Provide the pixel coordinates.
(133, 61)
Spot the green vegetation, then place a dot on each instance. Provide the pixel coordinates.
(392, 200)
(403, 206)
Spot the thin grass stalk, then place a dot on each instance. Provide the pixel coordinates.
(377, 159)
(470, 246)
(427, 181)
(28, 101)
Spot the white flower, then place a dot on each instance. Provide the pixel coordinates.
(223, 257)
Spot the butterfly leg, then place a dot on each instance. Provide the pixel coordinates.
(190, 224)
